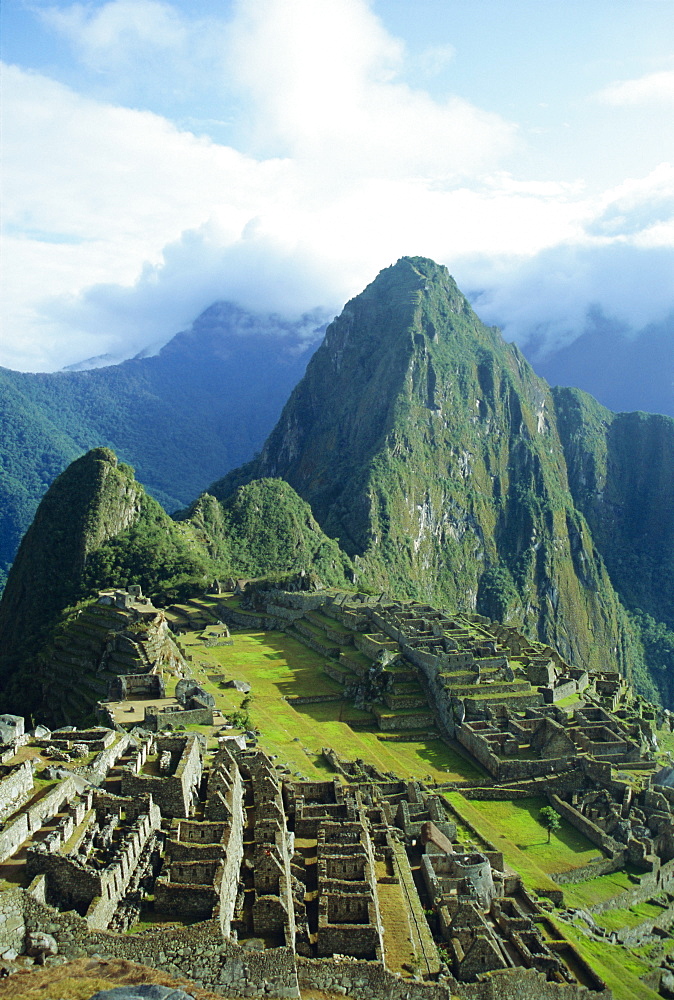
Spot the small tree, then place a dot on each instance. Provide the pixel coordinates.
(550, 820)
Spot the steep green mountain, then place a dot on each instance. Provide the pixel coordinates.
(621, 475)
(430, 448)
(96, 527)
(204, 404)
(444, 467)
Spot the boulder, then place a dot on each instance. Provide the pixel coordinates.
(39, 945)
(11, 726)
(242, 686)
(187, 689)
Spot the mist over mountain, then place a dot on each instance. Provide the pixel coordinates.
(202, 405)
(624, 370)
(420, 455)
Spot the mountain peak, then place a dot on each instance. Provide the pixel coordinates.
(429, 448)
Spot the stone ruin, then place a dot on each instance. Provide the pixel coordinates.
(271, 876)
(266, 882)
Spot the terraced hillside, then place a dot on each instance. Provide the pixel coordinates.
(328, 679)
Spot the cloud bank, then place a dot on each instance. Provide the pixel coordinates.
(121, 225)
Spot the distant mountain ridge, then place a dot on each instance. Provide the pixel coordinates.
(447, 470)
(624, 371)
(203, 404)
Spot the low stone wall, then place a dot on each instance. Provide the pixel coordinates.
(370, 981)
(285, 614)
(12, 924)
(511, 769)
(248, 620)
(198, 952)
(50, 804)
(15, 788)
(97, 771)
(312, 699)
(604, 866)
(396, 723)
(650, 883)
(13, 836)
(308, 638)
(565, 781)
(366, 981)
(371, 647)
(632, 936)
(342, 636)
(559, 691)
(353, 665)
(157, 720)
(585, 826)
(299, 600)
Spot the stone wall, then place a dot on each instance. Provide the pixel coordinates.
(505, 769)
(198, 952)
(156, 719)
(15, 788)
(591, 870)
(370, 981)
(585, 825)
(659, 880)
(12, 924)
(172, 792)
(101, 764)
(438, 696)
(30, 820)
(312, 699)
(95, 894)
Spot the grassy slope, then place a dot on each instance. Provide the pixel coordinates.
(277, 665)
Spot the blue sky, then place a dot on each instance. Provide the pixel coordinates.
(160, 155)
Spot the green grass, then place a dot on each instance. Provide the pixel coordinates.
(599, 889)
(613, 920)
(618, 967)
(276, 665)
(514, 828)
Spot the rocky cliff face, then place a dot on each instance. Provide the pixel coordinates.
(429, 447)
(621, 475)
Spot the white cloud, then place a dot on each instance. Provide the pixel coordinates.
(121, 227)
(654, 88)
(548, 296)
(105, 36)
(323, 78)
(435, 58)
(92, 192)
(641, 208)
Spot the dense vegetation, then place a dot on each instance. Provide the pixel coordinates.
(437, 466)
(203, 405)
(445, 467)
(96, 527)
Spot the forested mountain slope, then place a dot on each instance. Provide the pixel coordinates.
(201, 406)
